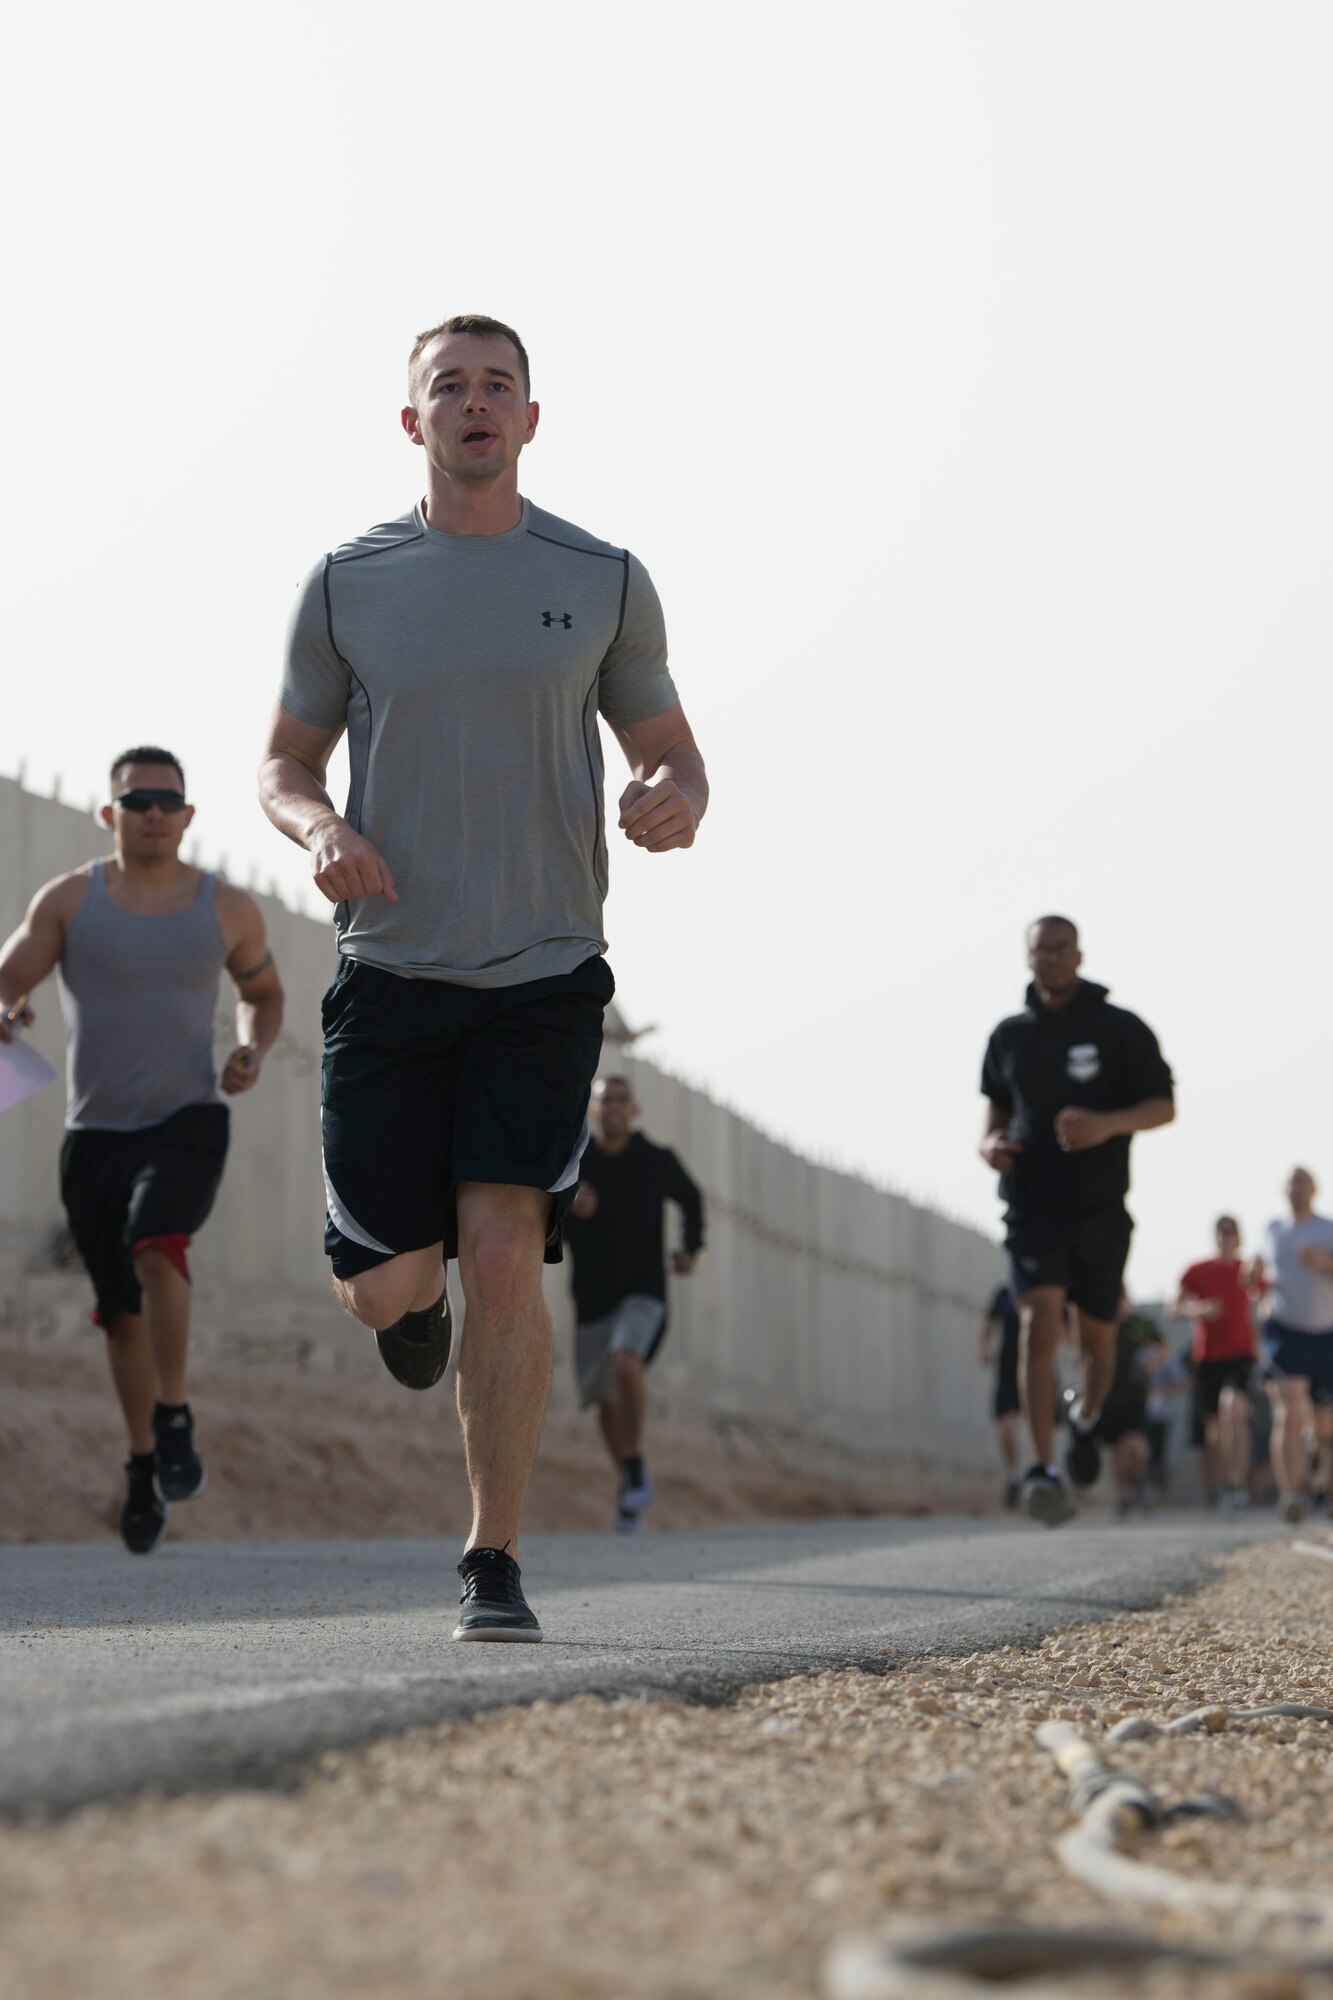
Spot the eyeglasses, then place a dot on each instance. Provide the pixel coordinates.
(142, 798)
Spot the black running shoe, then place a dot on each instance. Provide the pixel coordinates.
(415, 1350)
(1045, 1498)
(143, 1518)
(180, 1470)
(1083, 1456)
(493, 1604)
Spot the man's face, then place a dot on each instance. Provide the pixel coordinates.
(1054, 957)
(147, 831)
(616, 1111)
(1301, 1189)
(1227, 1238)
(470, 416)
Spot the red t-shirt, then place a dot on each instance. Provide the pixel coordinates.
(1230, 1336)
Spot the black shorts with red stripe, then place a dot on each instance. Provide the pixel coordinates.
(427, 1085)
(124, 1189)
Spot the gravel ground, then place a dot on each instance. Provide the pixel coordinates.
(587, 1850)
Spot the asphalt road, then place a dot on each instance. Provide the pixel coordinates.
(215, 1663)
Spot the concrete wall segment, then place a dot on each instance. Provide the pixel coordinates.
(822, 1301)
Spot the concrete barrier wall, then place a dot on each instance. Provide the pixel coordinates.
(822, 1302)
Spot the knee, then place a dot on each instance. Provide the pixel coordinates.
(1042, 1327)
(627, 1369)
(498, 1256)
(378, 1297)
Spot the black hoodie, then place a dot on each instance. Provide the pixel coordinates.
(1090, 1054)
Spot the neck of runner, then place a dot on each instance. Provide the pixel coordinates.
(454, 509)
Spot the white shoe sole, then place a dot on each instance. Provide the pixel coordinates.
(1049, 1505)
(505, 1635)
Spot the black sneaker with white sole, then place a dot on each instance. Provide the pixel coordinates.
(492, 1605)
(143, 1518)
(180, 1470)
(1046, 1499)
(415, 1349)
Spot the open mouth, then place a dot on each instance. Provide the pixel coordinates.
(478, 436)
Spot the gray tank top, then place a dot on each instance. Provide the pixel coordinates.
(139, 996)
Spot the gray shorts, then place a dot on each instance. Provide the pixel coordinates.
(631, 1329)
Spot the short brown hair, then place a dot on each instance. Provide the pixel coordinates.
(475, 323)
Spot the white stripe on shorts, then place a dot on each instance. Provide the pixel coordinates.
(571, 1173)
(346, 1223)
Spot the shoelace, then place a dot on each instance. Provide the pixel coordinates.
(490, 1576)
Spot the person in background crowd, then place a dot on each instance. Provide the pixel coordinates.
(140, 940)
(1298, 1253)
(1068, 1082)
(616, 1241)
(1166, 1377)
(1215, 1296)
(998, 1349)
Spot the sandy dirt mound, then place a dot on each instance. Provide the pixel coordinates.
(291, 1457)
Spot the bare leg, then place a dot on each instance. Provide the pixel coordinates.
(406, 1283)
(504, 1364)
(1041, 1322)
(1290, 1398)
(1233, 1414)
(608, 1416)
(631, 1401)
(166, 1308)
(1096, 1340)
(130, 1353)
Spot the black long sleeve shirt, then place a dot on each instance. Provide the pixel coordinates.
(620, 1250)
(1088, 1053)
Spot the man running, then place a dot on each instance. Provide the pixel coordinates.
(467, 649)
(1215, 1296)
(619, 1280)
(1299, 1333)
(998, 1349)
(1068, 1081)
(140, 940)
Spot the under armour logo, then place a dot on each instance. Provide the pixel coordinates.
(557, 618)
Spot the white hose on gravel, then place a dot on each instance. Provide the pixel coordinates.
(1114, 1809)
(922, 1964)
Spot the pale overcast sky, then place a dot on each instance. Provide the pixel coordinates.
(959, 369)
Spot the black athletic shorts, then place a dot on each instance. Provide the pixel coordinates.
(120, 1188)
(1215, 1376)
(426, 1085)
(1084, 1252)
(1122, 1416)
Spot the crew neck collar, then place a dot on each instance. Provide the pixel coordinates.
(442, 538)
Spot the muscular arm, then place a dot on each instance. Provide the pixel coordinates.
(291, 790)
(663, 805)
(33, 952)
(259, 995)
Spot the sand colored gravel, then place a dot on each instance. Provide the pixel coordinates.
(593, 1850)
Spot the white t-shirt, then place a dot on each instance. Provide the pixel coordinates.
(1301, 1298)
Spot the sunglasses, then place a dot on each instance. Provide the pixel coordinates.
(142, 798)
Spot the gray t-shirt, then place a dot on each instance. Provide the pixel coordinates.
(470, 671)
(1300, 1298)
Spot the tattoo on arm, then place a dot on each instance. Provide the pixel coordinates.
(255, 970)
